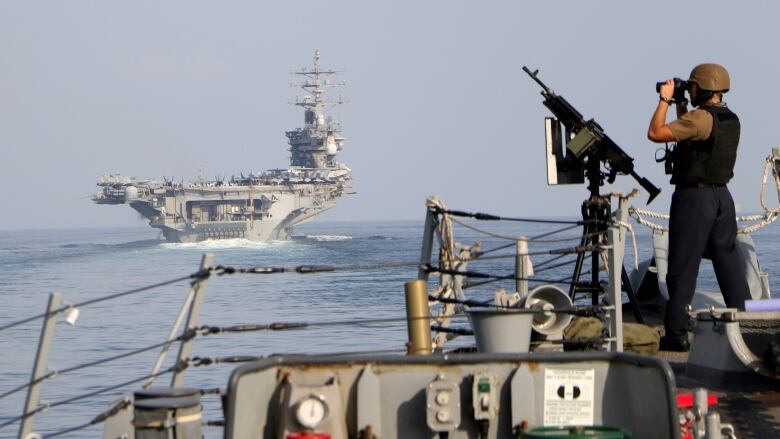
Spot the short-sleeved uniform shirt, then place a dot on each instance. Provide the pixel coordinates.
(694, 125)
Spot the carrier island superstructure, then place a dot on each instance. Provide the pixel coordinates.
(262, 206)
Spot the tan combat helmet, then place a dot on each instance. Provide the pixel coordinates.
(711, 77)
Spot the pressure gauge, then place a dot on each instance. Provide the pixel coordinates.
(311, 411)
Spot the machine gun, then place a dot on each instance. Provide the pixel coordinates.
(587, 140)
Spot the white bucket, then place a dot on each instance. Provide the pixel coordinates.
(501, 331)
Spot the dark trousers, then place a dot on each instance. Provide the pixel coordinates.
(702, 219)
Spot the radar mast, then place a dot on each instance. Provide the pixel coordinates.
(316, 144)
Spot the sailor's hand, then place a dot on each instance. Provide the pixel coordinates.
(667, 89)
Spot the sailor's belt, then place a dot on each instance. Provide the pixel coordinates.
(699, 185)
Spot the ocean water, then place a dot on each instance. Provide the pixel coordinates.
(85, 264)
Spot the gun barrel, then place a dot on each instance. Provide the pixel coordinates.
(536, 78)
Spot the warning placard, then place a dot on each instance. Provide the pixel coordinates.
(568, 396)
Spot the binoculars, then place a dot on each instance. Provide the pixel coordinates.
(680, 86)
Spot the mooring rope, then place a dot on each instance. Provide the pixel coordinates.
(444, 228)
(449, 286)
(766, 219)
(769, 163)
(633, 241)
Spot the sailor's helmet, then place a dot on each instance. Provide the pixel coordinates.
(711, 77)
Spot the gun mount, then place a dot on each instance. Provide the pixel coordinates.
(588, 146)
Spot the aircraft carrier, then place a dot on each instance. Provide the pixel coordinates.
(261, 206)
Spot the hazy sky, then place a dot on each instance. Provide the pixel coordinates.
(438, 101)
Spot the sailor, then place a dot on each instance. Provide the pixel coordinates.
(702, 216)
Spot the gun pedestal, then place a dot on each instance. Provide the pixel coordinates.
(596, 212)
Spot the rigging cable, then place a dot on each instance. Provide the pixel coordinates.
(558, 265)
(537, 238)
(477, 274)
(583, 311)
(221, 270)
(186, 336)
(43, 407)
(537, 268)
(207, 361)
(500, 247)
(197, 276)
(300, 269)
(564, 280)
(124, 403)
(478, 257)
(490, 217)
(548, 261)
(283, 326)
